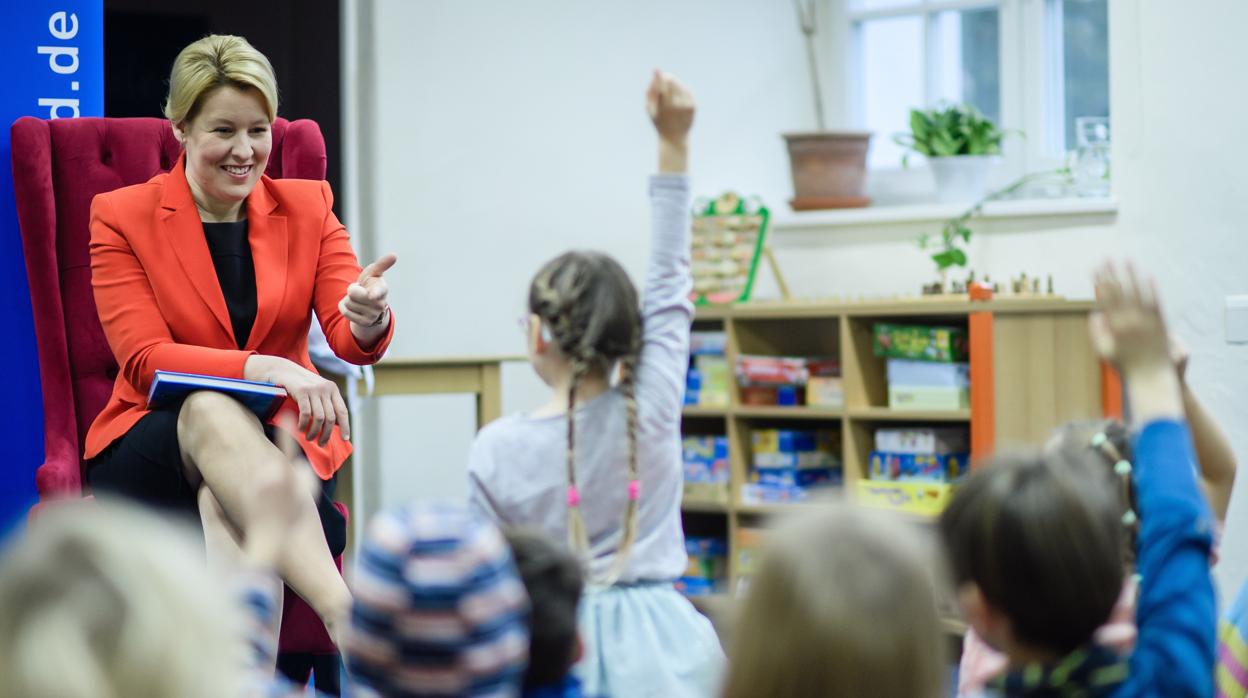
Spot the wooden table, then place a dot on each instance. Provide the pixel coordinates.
(479, 375)
(433, 375)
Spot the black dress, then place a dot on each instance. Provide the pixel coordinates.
(146, 463)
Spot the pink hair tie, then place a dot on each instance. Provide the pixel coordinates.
(634, 490)
(574, 497)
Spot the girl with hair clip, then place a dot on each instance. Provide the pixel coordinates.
(1035, 539)
(599, 465)
(1110, 441)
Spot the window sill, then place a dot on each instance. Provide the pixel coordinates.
(813, 221)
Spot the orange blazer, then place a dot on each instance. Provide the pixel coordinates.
(161, 306)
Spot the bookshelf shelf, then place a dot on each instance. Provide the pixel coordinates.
(888, 414)
(1032, 369)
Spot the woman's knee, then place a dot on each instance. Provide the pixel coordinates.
(206, 414)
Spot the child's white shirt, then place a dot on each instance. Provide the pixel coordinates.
(517, 464)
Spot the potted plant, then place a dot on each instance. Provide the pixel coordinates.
(961, 145)
(829, 167)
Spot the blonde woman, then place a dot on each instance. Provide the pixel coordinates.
(216, 269)
(843, 605)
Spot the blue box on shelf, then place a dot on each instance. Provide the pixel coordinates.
(918, 467)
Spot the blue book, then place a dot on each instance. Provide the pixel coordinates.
(262, 398)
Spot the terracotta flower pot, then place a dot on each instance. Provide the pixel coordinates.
(829, 169)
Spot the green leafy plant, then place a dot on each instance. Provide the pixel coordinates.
(949, 250)
(958, 129)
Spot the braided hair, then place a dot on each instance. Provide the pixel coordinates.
(591, 309)
(1109, 441)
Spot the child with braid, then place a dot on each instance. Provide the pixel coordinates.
(1034, 539)
(599, 465)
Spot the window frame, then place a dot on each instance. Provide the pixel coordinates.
(1030, 64)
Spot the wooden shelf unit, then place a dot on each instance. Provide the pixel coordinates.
(1032, 368)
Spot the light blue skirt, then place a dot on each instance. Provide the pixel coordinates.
(646, 640)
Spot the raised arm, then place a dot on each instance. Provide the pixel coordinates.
(1175, 614)
(351, 303)
(1213, 450)
(666, 311)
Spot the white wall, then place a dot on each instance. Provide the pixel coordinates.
(506, 132)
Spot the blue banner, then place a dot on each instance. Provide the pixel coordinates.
(52, 55)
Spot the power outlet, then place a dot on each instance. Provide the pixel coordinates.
(1237, 319)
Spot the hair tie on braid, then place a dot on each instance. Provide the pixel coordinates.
(574, 497)
(634, 490)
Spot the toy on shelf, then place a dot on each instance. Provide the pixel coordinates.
(706, 468)
(729, 239)
(709, 380)
(788, 381)
(927, 366)
(748, 550)
(919, 342)
(935, 440)
(915, 469)
(788, 465)
(921, 498)
(708, 566)
(923, 385)
(1021, 286)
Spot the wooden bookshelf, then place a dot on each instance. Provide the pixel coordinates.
(1032, 369)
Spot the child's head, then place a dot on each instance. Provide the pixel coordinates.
(1109, 442)
(843, 604)
(583, 316)
(584, 319)
(553, 580)
(97, 599)
(1035, 543)
(439, 608)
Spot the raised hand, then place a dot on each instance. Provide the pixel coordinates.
(671, 108)
(1129, 331)
(365, 303)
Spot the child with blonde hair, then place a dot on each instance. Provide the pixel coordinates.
(600, 464)
(842, 606)
(109, 599)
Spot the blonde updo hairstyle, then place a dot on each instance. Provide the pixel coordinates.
(104, 600)
(217, 60)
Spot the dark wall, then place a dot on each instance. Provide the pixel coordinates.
(300, 38)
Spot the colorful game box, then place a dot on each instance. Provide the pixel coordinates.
(934, 440)
(920, 342)
(918, 467)
(706, 468)
(921, 498)
(708, 566)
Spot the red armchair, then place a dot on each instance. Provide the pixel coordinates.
(58, 167)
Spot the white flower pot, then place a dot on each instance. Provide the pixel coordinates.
(961, 179)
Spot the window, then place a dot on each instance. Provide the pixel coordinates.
(1030, 65)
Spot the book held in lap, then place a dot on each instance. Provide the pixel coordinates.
(263, 399)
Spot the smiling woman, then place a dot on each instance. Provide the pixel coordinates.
(227, 147)
(260, 255)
